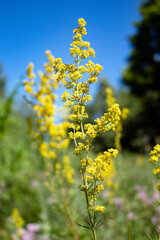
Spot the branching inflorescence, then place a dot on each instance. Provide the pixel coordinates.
(52, 137)
(77, 78)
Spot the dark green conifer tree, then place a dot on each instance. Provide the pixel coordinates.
(142, 76)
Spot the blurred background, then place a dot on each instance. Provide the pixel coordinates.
(126, 38)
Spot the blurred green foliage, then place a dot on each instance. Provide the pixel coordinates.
(18, 161)
(131, 205)
(140, 91)
(22, 177)
(142, 77)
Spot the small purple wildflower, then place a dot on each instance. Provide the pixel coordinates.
(155, 196)
(149, 201)
(155, 219)
(119, 202)
(26, 235)
(143, 196)
(33, 227)
(131, 216)
(43, 238)
(138, 188)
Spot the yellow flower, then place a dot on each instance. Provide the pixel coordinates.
(81, 22)
(99, 208)
(110, 100)
(68, 171)
(19, 222)
(155, 154)
(156, 170)
(30, 73)
(125, 112)
(28, 89)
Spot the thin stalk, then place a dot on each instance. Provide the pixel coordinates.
(89, 214)
(84, 175)
(82, 129)
(64, 195)
(77, 68)
(94, 234)
(94, 200)
(74, 137)
(129, 231)
(90, 217)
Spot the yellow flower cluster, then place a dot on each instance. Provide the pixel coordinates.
(155, 154)
(107, 122)
(99, 209)
(77, 51)
(94, 191)
(68, 171)
(156, 170)
(124, 113)
(110, 100)
(76, 79)
(110, 119)
(98, 168)
(31, 75)
(52, 137)
(110, 181)
(17, 220)
(71, 75)
(30, 72)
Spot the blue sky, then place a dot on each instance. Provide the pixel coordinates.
(28, 28)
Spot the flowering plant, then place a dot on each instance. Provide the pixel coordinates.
(77, 79)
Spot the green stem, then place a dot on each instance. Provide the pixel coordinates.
(82, 129)
(89, 214)
(74, 137)
(94, 234)
(129, 231)
(77, 68)
(84, 177)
